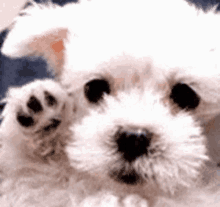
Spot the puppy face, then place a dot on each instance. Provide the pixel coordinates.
(137, 128)
(142, 76)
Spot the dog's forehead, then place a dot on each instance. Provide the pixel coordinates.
(91, 60)
(132, 37)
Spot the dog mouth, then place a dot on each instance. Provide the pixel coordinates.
(130, 177)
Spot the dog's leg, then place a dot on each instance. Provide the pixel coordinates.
(37, 115)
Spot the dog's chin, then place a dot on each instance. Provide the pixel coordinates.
(131, 178)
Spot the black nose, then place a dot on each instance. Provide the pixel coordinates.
(133, 143)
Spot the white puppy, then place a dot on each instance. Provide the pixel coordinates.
(123, 123)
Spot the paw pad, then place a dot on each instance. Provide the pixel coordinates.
(50, 100)
(55, 123)
(24, 120)
(34, 104)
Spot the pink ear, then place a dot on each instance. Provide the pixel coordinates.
(48, 44)
(51, 46)
(40, 31)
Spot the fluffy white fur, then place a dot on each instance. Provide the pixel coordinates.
(142, 48)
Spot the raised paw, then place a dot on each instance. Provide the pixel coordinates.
(37, 109)
(41, 110)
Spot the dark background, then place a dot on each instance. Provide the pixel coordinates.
(14, 72)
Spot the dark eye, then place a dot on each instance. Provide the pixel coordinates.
(95, 89)
(184, 96)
